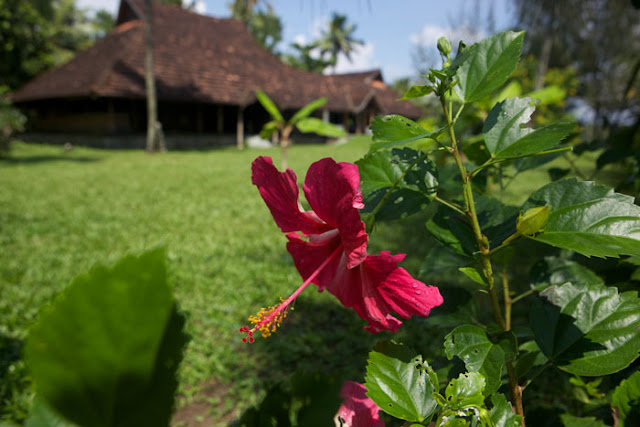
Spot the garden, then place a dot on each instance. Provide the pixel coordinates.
(477, 267)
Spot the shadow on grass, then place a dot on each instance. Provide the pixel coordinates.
(14, 381)
(47, 158)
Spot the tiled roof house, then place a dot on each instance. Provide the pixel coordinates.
(207, 71)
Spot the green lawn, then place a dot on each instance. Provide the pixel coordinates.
(61, 212)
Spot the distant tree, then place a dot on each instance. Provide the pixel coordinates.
(25, 42)
(260, 20)
(600, 40)
(103, 22)
(304, 58)
(338, 38)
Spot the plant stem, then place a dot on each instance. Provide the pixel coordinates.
(515, 391)
(493, 161)
(450, 205)
(507, 300)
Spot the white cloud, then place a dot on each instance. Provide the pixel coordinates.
(429, 35)
(301, 39)
(362, 59)
(199, 6)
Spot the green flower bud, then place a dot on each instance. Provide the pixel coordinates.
(444, 46)
(533, 220)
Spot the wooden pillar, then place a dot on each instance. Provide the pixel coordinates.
(325, 115)
(220, 121)
(359, 120)
(240, 128)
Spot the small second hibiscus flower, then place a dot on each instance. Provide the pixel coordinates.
(329, 247)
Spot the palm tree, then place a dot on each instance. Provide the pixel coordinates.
(338, 39)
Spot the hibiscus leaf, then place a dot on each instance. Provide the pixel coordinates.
(589, 219)
(587, 328)
(108, 347)
(502, 413)
(626, 401)
(417, 91)
(439, 260)
(482, 354)
(557, 271)
(465, 392)
(505, 136)
(398, 382)
(488, 65)
(497, 220)
(396, 183)
(397, 131)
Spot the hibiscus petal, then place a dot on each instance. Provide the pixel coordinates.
(280, 192)
(333, 192)
(358, 410)
(378, 287)
(308, 256)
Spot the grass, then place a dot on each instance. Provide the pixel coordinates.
(61, 212)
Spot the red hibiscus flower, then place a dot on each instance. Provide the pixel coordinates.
(357, 410)
(329, 248)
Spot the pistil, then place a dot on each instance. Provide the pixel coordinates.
(267, 320)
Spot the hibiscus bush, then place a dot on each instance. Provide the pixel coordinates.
(511, 285)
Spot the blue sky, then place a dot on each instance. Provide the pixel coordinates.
(390, 28)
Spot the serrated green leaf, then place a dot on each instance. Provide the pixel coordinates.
(320, 127)
(305, 111)
(506, 137)
(529, 356)
(502, 413)
(417, 91)
(466, 390)
(557, 271)
(626, 401)
(569, 420)
(105, 353)
(398, 383)
(497, 220)
(480, 354)
(587, 329)
(269, 105)
(488, 65)
(473, 274)
(404, 178)
(589, 219)
(440, 260)
(451, 230)
(397, 131)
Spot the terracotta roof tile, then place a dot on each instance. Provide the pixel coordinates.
(205, 59)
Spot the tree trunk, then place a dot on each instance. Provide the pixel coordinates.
(155, 137)
(543, 63)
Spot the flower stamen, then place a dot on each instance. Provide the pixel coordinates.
(268, 319)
